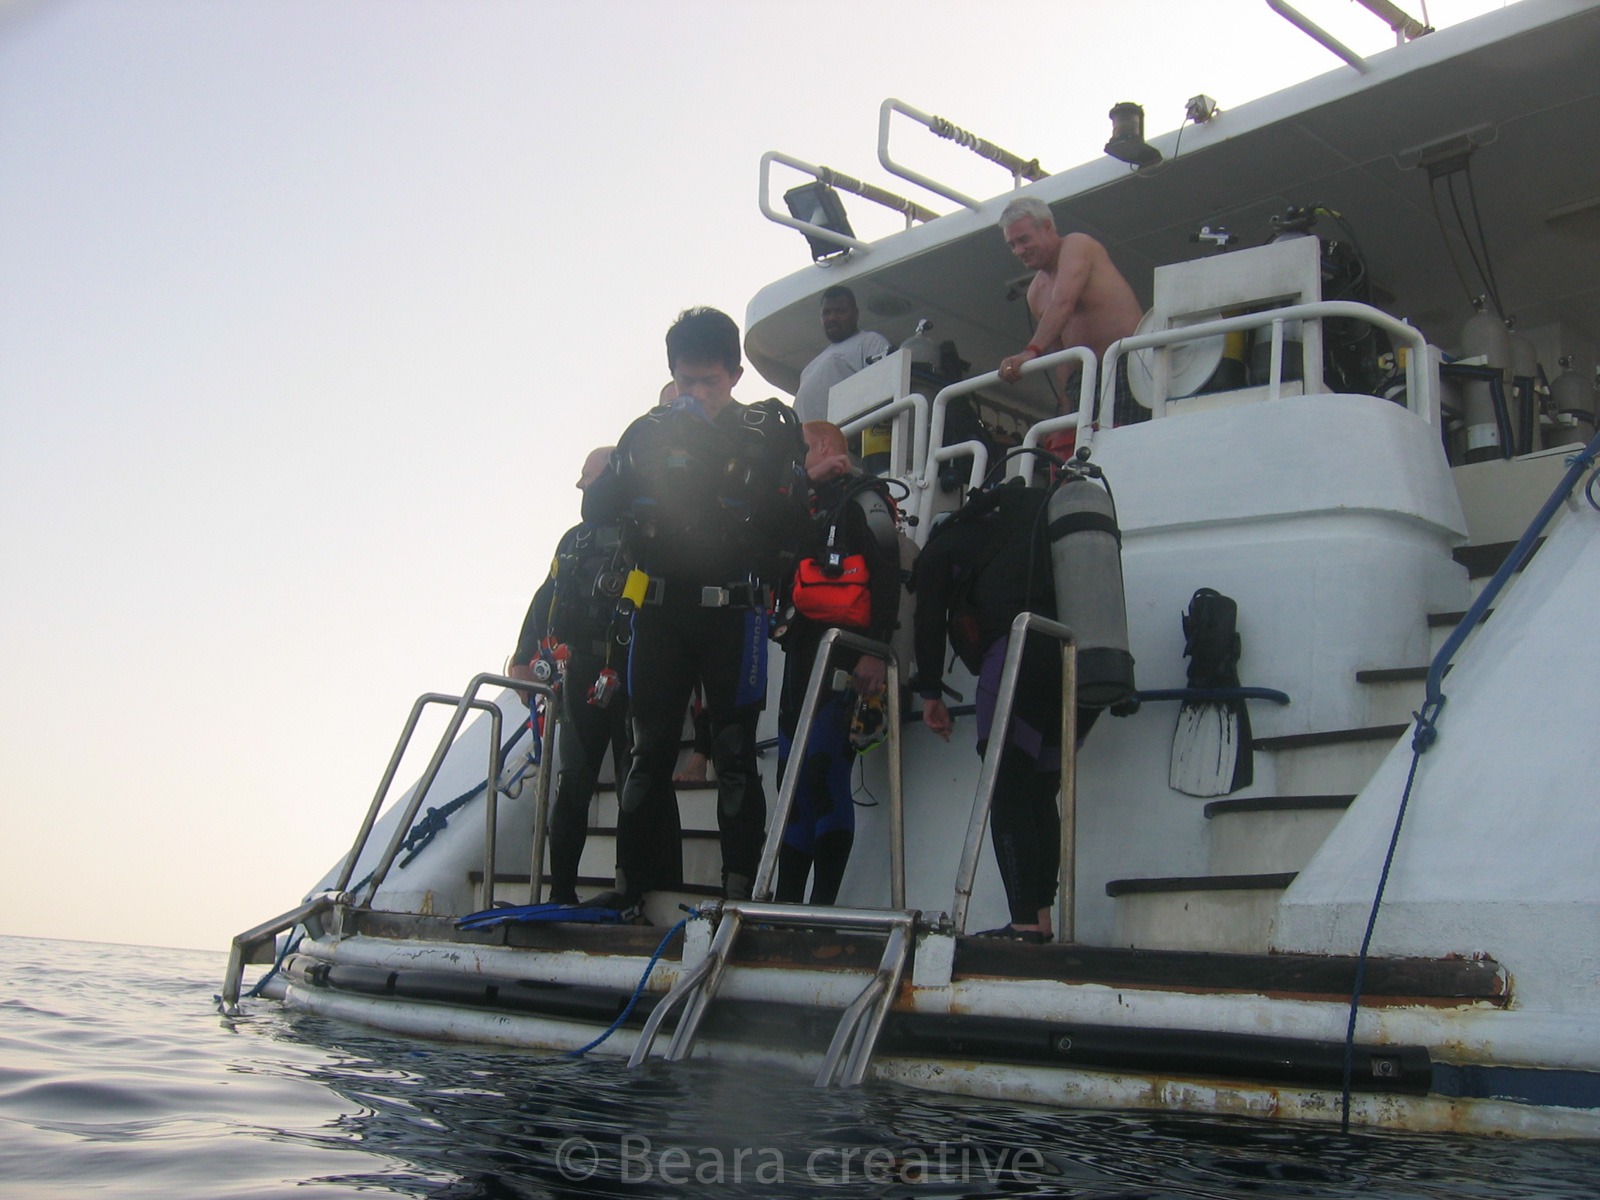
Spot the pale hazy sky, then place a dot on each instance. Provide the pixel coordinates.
(310, 309)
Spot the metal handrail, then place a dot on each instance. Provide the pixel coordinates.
(1420, 398)
(1081, 355)
(1019, 167)
(910, 209)
(466, 701)
(762, 889)
(967, 871)
(371, 817)
(1318, 34)
(247, 941)
(916, 404)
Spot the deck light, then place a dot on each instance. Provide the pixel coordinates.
(1127, 136)
(818, 204)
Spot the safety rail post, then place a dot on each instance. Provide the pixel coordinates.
(939, 454)
(1019, 167)
(541, 804)
(999, 730)
(1420, 397)
(247, 941)
(762, 889)
(466, 701)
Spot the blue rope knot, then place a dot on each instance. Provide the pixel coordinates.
(1427, 730)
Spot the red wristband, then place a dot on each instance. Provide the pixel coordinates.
(1037, 353)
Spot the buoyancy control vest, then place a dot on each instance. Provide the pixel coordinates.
(590, 568)
(981, 566)
(714, 501)
(1055, 551)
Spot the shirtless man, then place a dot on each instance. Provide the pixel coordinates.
(1078, 298)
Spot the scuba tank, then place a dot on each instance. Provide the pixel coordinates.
(1572, 402)
(1524, 398)
(1086, 561)
(1483, 336)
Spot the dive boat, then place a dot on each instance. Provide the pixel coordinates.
(1350, 889)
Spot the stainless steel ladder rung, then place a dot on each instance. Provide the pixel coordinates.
(856, 1036)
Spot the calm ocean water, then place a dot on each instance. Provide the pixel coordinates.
(118, 1078)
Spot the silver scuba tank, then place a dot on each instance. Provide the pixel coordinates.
(1572, 403)
(1086, 562)
(1523, 398)
(1483, 336)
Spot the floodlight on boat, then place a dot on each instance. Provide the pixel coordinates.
(818, 204)
(1127, 136)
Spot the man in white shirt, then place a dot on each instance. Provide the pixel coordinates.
(848, 350)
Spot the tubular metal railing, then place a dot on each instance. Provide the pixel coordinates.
(1420, 397)
(1318, 34)
(831, 640)
(1081, 355)
(914, 404)
(466, 701)
(910, 209)
(246, 943)
(967, 872)
(1019, 167)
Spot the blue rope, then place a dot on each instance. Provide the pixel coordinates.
(637, 992)
(1424, 737)
(290, 945)
(433, 822)
(1427, 719)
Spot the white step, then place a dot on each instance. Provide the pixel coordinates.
(1237, 920)
(1269, 834)
(1332, 769)
(697, 807)
(1390, 700)
(702, 858)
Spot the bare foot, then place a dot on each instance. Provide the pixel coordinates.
(694, 771)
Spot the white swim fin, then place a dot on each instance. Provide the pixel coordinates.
(1205, 749)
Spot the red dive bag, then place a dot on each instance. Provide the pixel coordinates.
(840, 598)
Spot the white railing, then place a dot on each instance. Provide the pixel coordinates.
(1081, 355)
(1318, 34)
(912, 407)
(909, 209)
(1420, 397)
(1019, 167)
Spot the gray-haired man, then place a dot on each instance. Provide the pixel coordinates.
(1078, 297)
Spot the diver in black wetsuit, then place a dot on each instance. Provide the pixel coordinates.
(989, 563)
(576, 607)
(821, 826)
(712, 496)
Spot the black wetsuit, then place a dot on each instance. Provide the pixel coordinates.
(710, 508)
(1001, 563)
(821, 826)
(577, 606)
